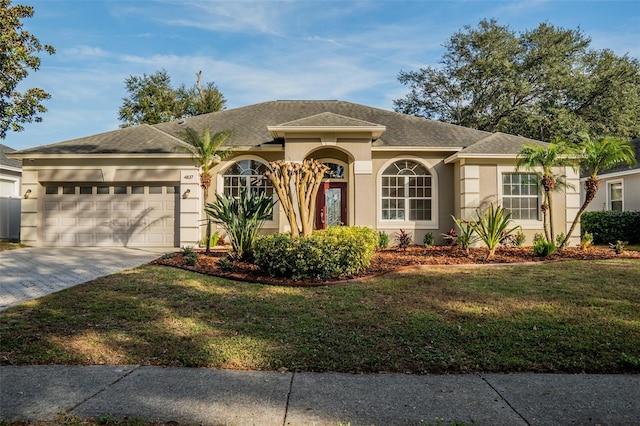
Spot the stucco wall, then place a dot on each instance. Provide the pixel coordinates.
(631, 192)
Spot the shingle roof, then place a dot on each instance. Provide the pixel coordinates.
(250, 124)
(143, 139)
(9, 162)
(328, 119)
(500, 143)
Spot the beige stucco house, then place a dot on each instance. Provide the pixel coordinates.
(619, 187)
(389, 171)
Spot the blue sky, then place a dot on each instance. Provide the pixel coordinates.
(257, 51)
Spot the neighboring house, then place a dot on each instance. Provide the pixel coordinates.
(619, 187)
(10, 175)
(389, 171)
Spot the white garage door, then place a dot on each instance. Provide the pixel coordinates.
(109, 215)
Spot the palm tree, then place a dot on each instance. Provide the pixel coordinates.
(534, 157)
(206, 151)
(596, 156)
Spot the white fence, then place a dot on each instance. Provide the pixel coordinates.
(10, 217)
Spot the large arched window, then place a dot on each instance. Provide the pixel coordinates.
(247, 174)
(406, 192)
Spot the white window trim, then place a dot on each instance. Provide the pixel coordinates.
(408, 224)
(344, 165)
(16, 185)
(524, 224)
(609, 200)
(273, 223)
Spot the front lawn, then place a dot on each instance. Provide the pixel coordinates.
(573, 316)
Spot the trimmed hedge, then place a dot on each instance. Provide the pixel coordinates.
(330, 253)
(611, 226)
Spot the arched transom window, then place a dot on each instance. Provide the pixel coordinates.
(248, 174)
(406, 192)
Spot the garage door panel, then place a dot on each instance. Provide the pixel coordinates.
(67, 238)
(68, 221)
(51, 222)
(51, 206)
(110, 218)
(85, 221)
(137, 206)
(157, 239)
(68, 206)
(84, 239)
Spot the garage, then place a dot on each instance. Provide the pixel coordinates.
(100, 214)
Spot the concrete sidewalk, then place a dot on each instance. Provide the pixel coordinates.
(214, 397)
(30, 273)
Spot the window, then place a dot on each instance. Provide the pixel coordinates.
(51, 190)
(103, 190)
(68, 190)
(520, 195)
(120, 190)
(137, 189)
(336, 171)
(406, 192)
(86, 190)
(615, 196)
(155, 190)
(247, 174)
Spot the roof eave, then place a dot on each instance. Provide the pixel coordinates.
(459, 156)
(418, 148)
(39, 156)
(281, 131)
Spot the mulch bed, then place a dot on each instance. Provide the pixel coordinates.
(390, 260)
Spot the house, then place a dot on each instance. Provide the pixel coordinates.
(619, 187)
(136, 187)
(10, 175)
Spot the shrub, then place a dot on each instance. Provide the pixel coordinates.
(191, 258)
(619, 247)
(612, 226)
(241, 218)
(383, 239)
(586, 240)
(186, 250)
(403, 239)
(543, 248)
(538, 237)
(333, 252)
(559, 239)
(428, 239)
(467, 235)
(225, 264)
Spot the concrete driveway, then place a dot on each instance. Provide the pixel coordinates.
(30, 273)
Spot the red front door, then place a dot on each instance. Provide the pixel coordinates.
(331, 204)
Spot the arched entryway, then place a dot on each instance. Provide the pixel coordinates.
(332, 200)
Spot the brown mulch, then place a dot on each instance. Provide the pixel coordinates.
(390, 260)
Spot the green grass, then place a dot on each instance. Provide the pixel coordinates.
(554, 317)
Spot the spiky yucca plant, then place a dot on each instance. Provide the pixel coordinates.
(492, 226)
(242, 218)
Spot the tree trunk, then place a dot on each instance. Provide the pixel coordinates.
(591, 189)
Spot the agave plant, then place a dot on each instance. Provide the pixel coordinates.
(492, 226)
(241, 218)
(467, 235)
